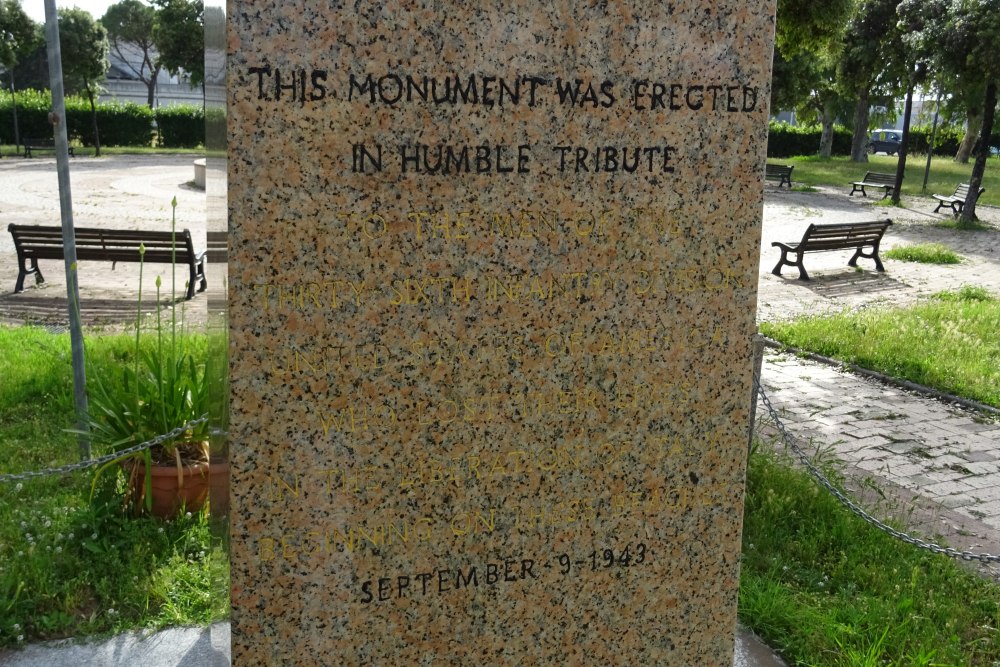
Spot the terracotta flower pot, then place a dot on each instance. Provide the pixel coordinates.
(183, 488)
(172, 495)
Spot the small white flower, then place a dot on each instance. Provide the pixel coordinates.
(18, 486)
(111, 611)
(17, 626)
(20, 553)
(70, 536)
(160, 529)
(93, 536)
(20, 638)
(188, 515)
(48, 523)
(58, 550)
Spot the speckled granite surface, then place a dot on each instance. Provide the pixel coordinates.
(492, 286)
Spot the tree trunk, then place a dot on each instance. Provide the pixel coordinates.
(982, 151)
(904, 146)
(974, 121)
(93, 116)
(859, 143)
(826, 138)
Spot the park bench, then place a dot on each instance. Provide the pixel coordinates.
(874, 180)
(840, 236)
(45, 144)
(218, 247)
(35, 242)
(957, 200)
(781, 172)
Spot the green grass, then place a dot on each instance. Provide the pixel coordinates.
(831, 590)
(949, 342)
(945, 174)
(69, 566)
(925, 253)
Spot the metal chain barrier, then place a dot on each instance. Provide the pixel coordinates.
(90, 463)
(789, 441)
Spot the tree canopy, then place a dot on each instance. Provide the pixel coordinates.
(959, 38)
(84, 45)
(18, 33)
(130, 25)
(180, 38)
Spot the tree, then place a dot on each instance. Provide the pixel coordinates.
(959, 38)
(17, 33)
(18, 37)
(808, 41)
(130, 25)
(84, 45)
(872, 63)
(180, 38)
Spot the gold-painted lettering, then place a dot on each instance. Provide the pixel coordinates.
(265, 549)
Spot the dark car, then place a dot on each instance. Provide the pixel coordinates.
(885, 141)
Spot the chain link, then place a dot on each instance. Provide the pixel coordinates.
(90, 463)
(789, 441)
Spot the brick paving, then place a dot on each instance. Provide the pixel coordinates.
(943, 459)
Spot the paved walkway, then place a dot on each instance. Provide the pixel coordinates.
(939, 462)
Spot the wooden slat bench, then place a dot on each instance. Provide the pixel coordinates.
(781, 172)
(874, 179)
(35, 242)
(46, 144)
(218, 247)
(956, 201)
(841, 236)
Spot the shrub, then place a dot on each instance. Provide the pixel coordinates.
(124, 124)
(784, 140)
(180, 126)
(120, 124)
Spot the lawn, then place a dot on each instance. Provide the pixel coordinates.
(948, 342)
(70, 565)
(831, 590)
(944, 176)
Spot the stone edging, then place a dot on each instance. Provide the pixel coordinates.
(886, 379)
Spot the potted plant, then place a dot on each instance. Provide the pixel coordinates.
(160, 386)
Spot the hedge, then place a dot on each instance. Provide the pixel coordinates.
(784, 140)
(180, 126)
(120, 124)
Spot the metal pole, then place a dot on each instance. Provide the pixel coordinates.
(930, 147)
(58, 119)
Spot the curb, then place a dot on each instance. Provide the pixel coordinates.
(884, 379)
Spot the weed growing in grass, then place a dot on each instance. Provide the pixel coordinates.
(967, 293)
(925, 253)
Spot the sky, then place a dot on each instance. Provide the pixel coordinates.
(36, 8)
